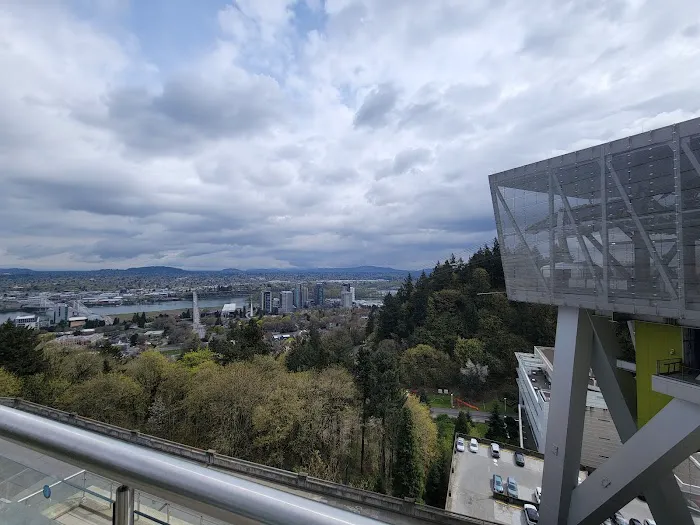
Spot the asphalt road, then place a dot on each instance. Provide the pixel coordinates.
(480, 417)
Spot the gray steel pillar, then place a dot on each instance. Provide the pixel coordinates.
(123, 509)
(663, 496)
(566, 413)
(646, 459)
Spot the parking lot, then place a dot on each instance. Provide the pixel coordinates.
(471, 492)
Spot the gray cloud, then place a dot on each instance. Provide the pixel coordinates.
(189, 110)
(112, 157)
(376, 106)
(409, 158)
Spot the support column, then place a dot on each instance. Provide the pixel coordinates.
(647, 457)
(663, 496)
(123, 510)
(572, 356)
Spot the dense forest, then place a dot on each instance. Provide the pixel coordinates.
(336, 404)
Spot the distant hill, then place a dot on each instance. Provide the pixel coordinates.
(170, 271)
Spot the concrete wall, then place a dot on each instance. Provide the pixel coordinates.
(600, 437)
(379, 506)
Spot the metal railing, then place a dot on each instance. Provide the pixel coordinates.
(361, 501)
(204, 490)
(674, 367)
(105, 490)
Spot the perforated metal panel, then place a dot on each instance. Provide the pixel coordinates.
(615, 227)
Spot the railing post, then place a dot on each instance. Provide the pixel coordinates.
(123, 513)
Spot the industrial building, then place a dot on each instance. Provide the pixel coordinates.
(27, 321)
(535, 372)
(228, 309)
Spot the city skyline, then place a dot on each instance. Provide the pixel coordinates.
(309, 133)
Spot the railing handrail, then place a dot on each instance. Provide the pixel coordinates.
(208, 491)
(347, 494)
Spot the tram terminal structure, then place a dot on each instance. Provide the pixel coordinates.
(611, 234)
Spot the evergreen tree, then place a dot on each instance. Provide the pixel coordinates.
(369, 330)
(407, 480)
(512, 430)
(438, 480)
(497, 428)
(462, 424)
(19, 354)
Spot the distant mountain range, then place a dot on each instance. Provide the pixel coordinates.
(169, 271)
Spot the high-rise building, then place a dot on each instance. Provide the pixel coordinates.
(346, 299)
(319, 298)
(266, 301)
(286, 302)
(304, 296)
(350, 291)
(297, 296)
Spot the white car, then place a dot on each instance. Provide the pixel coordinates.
(473, 445)
(538, 494)
(532, 517)
(460, 444)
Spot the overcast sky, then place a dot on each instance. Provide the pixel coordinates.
(272, 133)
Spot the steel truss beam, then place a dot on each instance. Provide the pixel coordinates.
(645, 462)
(579, 237)
(566, 413)
(647, 458)
(640, 229)
(664, 497)
(522, 237)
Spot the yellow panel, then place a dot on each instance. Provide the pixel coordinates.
(653, 343)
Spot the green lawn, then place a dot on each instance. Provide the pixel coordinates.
(174, 352)
(439, 400)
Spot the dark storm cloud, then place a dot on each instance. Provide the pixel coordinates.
(376, 106)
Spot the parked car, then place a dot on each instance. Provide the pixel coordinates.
(531, 515)
(473, 445)
(497, 484)
(512, 487)
(460, 444)
(619, 519)
(538, 494)
(649, 522)
(520, 459)
(495, 450)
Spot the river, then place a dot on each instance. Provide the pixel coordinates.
(215, 302)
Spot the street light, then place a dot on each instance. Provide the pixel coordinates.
(504, 406)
